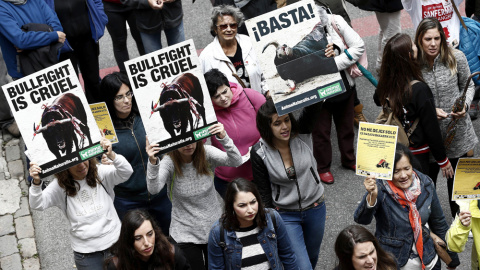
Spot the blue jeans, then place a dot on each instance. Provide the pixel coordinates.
(159, 207)
(305, 230)
(153, 41)
(91, 261)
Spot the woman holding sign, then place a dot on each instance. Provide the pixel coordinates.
(402, 90)
(85, 194)
(285, 173)
(407, 211)
(230, 52)
(188, 174)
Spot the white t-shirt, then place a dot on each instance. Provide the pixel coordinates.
(440, 9)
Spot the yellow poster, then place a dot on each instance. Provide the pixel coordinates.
(466, 184)
(104, 122)
(376, 150)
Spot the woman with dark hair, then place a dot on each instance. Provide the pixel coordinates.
(84, 193)
(236, 108)
(264, 243)
(446, 72)
(142, 245)
(401, 89)
(188, 172)
(285, 173)
(406, 210)
(358, 249)
(133, 194)
(230, 52)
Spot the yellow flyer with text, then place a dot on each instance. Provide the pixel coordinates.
(466, 184)
(376, 150)
(104, 121)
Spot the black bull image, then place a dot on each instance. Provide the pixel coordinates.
(304, 60)
(60, 124)
(178, 101)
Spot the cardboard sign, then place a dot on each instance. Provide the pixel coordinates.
(172, 96)
(376, 147)
(54, 118)
(466, 183)
(104, 121)
(290, 45)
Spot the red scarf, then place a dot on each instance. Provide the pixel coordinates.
(408, 197)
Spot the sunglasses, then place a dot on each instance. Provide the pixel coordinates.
(223, 27)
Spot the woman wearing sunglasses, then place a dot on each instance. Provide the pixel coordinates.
(230, 52)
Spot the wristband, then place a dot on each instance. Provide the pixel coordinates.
(33, 182)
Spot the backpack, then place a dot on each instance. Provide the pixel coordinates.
(386, 117)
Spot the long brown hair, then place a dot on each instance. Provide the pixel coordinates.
(199, 159)
(446, 53)
(349, 238)
(397, 71)
(66, 181)
(125, 253)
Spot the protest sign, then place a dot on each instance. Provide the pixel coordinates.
(290, 46)
(54, 118)
(172, 96)
(466, 183)
(376, 146)
(104, 121)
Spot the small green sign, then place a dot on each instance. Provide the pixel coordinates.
(91, 152)
(201, 133)
(330, 90)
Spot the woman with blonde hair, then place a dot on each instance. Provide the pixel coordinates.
(446, 72)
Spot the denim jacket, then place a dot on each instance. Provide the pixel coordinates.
(393, 229)
(274, 241)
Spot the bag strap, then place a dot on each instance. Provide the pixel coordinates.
(335, 27)
(458, 14)
(237, 77)
(249, 99)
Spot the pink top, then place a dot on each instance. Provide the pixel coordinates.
(239, 121)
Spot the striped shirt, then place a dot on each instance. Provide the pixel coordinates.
(253, 255)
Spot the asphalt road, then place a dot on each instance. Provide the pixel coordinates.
(51, 227)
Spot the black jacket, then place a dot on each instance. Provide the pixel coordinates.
(378, 5)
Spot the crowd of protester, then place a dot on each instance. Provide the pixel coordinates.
(135, 209)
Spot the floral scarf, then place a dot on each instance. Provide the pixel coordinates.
(407, 198)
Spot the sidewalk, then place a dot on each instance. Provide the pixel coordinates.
(17, 236)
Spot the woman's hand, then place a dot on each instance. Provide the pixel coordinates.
(156, 4)
(105, 160)
(447, 171)
(441, 114)
(370, 184)
(465, 218)
(107, 145)
(218, 130)
(330, 51)
(35, 173)
(458, 115)
(152, 150)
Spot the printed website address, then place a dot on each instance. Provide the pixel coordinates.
(175, 143)
(56, 166)
(298, 102)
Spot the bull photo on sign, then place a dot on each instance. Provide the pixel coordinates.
(64, 126)
(180, 105)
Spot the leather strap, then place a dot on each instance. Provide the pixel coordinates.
(458, 14)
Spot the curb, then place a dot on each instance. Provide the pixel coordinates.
(18, 249)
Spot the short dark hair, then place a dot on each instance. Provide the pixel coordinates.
(215, 78)
(404, 151)
(264, 120)
(123, 249)
(109, 87)
(229, 219)
(351, 236)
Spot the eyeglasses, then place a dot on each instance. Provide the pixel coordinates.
(224, 27)
(127, 95)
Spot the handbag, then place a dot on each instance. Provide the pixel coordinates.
(441, 248)
(353, 70)
(387, 117)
